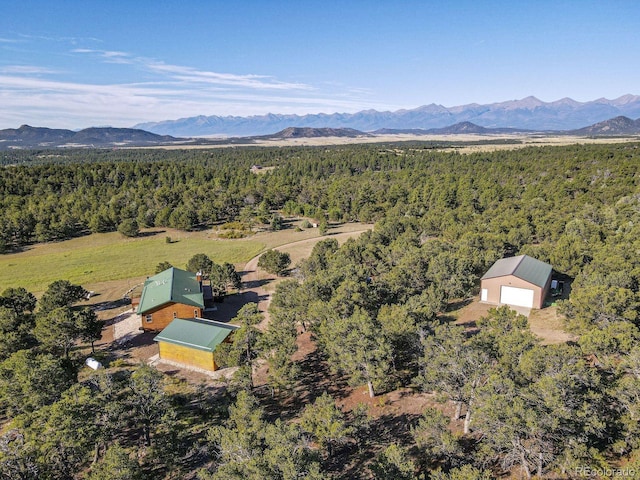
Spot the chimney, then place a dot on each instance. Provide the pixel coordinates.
(199, 279)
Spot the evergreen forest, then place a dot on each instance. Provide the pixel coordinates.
(506, 404)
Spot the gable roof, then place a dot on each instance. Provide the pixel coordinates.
(524, 267)
(171, 286)
(196, 333)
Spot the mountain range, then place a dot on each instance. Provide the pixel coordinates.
(529, 114)
(37, 137)
(306, 132)
(40, 137)
(614, 126)
(456, 129)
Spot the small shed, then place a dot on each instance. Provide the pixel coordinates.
(520, 281)
(192, 341)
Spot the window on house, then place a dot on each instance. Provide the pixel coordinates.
(195, 314)
(175, 315)
(148, 318)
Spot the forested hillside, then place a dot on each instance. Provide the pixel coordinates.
(528, 195)
(376, 308)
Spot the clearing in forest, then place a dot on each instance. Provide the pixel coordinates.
(111, 264)
(545, 323)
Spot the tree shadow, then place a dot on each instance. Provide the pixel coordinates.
(446, 318)
(135, 340)
(314, 380)
(110, 304)
(17, 249)
(353, 459)
(150, 234)
(288, 223)
(257, 283)
(458, 304)
(228, 309)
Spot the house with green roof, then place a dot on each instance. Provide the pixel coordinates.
(170, 294)
(192, 341)
(520, 281)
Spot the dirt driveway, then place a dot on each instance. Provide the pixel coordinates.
(546, 323)
(258, 285)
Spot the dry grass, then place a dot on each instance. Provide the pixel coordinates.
(105, 257)
(549, 325)
(470, 313)
(546, 323)
(262, 170)
(110, 264)
(526, 140)
(300, 250)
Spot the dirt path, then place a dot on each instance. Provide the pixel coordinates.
(259, 284)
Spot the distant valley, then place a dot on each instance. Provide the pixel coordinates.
(27, 137)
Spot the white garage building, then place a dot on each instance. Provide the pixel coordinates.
(520, 281)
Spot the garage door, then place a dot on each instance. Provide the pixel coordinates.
(519, 297)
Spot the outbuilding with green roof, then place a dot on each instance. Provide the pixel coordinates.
(192, 341)
(520, 281)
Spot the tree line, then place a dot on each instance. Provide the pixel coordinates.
(524, 195)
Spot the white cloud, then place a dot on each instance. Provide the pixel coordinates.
(30, 94)
(190, 75)
(107, 56)
(28, 70)
(76, 105)
(58, 39)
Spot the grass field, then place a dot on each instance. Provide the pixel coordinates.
(526, 140)
(106, 261)
(104, 257)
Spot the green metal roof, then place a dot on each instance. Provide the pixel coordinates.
(196, 333)
(523, 266)
(173, 285)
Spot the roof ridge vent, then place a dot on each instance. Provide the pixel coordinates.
(522, 257)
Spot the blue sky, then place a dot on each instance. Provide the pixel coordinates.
(74, 64)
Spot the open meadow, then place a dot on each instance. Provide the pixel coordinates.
(110, 264)
(465, 143)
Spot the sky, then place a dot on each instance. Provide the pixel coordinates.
(76, 64)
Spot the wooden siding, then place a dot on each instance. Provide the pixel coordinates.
(164, 315)
(187, 356)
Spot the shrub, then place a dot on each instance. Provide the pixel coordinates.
(232, 234)
(323, 226)
(129, 228)
(274, 262)
(276, 223)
